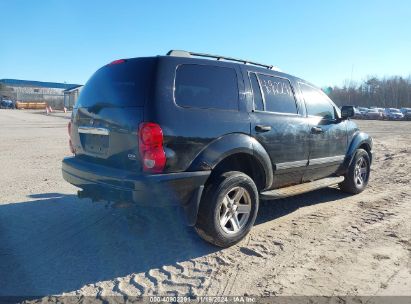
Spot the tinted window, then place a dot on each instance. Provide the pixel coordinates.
(317, 103)
(204, 86)
(122, 85)
(258, 99)
(278, 95)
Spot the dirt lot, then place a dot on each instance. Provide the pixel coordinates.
(321, 243)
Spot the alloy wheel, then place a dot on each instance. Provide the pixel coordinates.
(360, 172)
(235, 210)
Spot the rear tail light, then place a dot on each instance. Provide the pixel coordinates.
(69, 134)
(150, 142)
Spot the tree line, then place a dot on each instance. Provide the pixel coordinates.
(387, 92)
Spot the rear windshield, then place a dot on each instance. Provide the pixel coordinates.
(120, 85)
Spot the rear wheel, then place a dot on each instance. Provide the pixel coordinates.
(228, 209)
(356, 179)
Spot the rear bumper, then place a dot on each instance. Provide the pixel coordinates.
(104, 183)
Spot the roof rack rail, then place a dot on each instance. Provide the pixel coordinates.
(181, 53)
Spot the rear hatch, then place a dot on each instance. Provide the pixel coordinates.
(109, 110)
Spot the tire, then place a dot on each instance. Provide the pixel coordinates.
(356, 179)
(221, 202)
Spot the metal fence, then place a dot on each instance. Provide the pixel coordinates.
(56, 101)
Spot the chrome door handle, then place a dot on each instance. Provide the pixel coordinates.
(317, 130)
(261, 128)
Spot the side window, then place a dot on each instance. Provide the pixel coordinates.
(278, 95)
(317, 103)
(258, 98)
(205, 86)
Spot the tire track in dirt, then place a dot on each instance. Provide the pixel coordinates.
(361, 221)
(320, 243)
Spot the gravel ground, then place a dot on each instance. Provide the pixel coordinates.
(320, 243)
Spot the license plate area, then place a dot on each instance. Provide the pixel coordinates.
(94, 140)
(95, 143)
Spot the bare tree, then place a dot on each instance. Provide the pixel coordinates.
(393, 91)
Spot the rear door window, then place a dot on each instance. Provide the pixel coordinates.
(206, 86)
(278, 94)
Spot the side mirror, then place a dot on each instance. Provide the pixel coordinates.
(347, 112)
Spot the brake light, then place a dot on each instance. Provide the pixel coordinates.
(69, 134)
(118, 61)
(150, 143)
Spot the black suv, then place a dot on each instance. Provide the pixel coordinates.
(211, 134)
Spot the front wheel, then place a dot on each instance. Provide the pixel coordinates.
(356, 179)
(228, 209)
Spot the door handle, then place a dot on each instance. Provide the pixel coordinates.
(261, 128)
(317, 130)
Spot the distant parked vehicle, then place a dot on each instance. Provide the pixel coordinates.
(406, 112)
(363, 111)
(357, 114)
(373, 113)
(393, 114)
(382, 111)
(7, 104)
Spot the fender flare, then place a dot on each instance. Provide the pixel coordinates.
(231, 144)
(358, 139)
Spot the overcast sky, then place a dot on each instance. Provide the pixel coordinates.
(321, 41)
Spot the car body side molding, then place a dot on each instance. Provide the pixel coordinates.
(293, 164)
(326, 160)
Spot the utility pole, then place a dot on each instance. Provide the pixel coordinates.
(349, 84)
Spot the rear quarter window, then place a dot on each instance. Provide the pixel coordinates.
(206, 87)
(257, 97)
